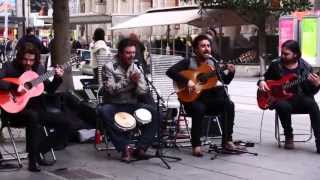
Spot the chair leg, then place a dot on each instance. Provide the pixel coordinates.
(187, 126)
(219, 125)
(208, 130)
(14, 146)
(261, 125)
(51, 150)
(177, 125)
(277, 130)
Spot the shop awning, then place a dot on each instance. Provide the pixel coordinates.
(183, 15)
(82, 19)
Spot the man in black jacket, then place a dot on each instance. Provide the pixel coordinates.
(303, 100)
(33, 116)
(31, 38)
(213, 101)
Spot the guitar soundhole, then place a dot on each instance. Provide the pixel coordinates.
(28, 85)
(202, 78)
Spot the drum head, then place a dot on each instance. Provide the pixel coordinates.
(143, 115)
(124, 121)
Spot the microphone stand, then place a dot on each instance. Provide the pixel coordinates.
(159, 148)
(226, 97)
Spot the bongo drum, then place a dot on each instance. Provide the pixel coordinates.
(124, 121)
(143, 116)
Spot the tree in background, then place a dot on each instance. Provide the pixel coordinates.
(61, 45)
(257, 12)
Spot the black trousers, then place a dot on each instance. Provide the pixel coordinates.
(34, 120)
(121, 139)
(208, 105)
(298, 105)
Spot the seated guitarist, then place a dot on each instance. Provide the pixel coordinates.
(34, 115)
(303, 100)
(212, 101)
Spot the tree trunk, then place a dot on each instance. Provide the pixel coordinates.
(61, 44)
(262, 47)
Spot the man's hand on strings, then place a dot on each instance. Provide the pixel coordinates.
(231, 67)
(314, 79)
(191, 86)
(263, 86)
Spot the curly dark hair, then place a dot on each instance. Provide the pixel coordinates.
(98, 34)
(196, 41)
(30, 49)
(124, 43)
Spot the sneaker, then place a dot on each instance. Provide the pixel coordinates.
(288, 143)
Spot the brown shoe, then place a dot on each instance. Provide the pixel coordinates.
(288, 143)
(127, 154)
(197, 151)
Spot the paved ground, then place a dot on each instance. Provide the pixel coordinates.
(82, 161)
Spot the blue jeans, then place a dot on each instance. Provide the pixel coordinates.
(121, 139)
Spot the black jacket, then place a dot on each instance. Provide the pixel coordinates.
(34, 40)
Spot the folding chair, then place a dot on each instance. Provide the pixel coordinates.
(16, 153)
(278, 135)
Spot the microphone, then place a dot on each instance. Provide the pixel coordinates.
(138, 64)
(209, 56)
(136, 61)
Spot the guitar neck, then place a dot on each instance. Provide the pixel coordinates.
(233, 61)
(294, 83)
(48, 74)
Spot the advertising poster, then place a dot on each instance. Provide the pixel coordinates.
(288, 30)
(309, 40)
(41, 7)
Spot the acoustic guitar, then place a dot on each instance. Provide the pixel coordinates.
(14, 102)
(279, 90)
(204, 77)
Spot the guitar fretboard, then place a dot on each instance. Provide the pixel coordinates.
(48, 74)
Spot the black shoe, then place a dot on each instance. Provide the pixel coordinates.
(44, 162)
(318, 146)
(289, 142)
(33, 167)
